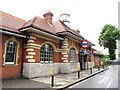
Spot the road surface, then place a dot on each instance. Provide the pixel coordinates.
(107, 79)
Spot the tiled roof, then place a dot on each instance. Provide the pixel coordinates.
(39, 23)
(10, 22)
(61, 27)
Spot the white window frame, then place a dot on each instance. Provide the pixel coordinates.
(13, 39)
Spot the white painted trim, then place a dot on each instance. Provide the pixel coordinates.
(14, 34)
(42, 32)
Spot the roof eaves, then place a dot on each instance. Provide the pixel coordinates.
(71, 33)
(33, 26)
(12, 32)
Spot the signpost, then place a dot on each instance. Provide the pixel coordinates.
(85, 44)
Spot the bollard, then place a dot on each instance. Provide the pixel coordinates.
(78, 71)
(52, 81)
(91, 68)
(103, 66)
(98, 67)
(106, 64)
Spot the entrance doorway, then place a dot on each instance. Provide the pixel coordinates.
(83, 62)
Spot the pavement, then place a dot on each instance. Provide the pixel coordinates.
(61, 81)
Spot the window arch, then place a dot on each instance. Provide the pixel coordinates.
(72, 55)
(46, 53)
(11, 52)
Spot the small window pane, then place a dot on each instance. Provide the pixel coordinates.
(9, 57)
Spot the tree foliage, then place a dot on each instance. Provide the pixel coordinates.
(106, 58)
(108, 38)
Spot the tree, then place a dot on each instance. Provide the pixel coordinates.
(106, 58)
(108, 38)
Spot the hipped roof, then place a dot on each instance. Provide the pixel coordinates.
(10, 22)
(62, 27)
(39, 23)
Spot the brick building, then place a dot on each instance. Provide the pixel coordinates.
(31, 49)
(97, 57)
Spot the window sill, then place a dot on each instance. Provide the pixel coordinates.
(10, 65)
(73, 62)
(42, 62)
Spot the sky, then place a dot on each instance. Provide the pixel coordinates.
(89, 16)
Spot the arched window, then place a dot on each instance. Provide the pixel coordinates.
(72, 55)
(46, 53)
(11, 52)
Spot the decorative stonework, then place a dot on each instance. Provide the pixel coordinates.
(65, 55)
(65, 51)
(31, 53)
(31, 60)
(30, 56)
(30, 49)
(33, 45)
(32, 38)
(31, 41)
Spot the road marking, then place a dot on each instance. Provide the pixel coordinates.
(109, 84)
(104, 80)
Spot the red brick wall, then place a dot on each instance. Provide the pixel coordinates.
(37, 56)
(57, 57)
(11, 71)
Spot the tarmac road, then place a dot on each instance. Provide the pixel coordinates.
(107, 79)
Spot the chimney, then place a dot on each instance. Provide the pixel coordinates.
(48, 17)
